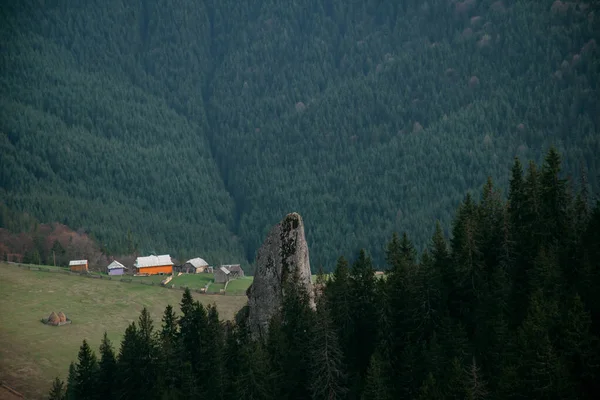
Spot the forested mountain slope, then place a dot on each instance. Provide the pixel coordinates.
(198, 124)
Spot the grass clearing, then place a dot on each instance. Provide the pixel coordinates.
(32, 354)
(216, 288)
(239, 286)
(152, 279)
(193, 281)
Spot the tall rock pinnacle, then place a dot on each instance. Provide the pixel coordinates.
(282, 258)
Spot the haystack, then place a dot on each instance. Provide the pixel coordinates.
(53, 319)
(62, 317)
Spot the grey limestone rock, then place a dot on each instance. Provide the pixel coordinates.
(283, 257)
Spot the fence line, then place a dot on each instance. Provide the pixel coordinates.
(32, 267)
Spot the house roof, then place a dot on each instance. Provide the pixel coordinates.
(115, 265)
(224, 270)
(78, 262)
(197, 262)
(153, 261)
(233, 267)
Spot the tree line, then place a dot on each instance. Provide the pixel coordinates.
(507, 308)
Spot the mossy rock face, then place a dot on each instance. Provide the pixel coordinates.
(282, 259)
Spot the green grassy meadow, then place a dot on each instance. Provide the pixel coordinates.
(32, 354)
(193, 281)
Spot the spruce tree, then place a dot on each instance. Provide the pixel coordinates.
(364, 319)
(57, 392)
(107, 375)
(147, 352)
(128, 365)
(169, 351)
(296, 328)
(377, 384)
(213, 343)
(70, 390)
(339, 298)
(328, 375)
(86, 374)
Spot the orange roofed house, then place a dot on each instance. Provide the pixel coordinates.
(154, 265)
(78, 265)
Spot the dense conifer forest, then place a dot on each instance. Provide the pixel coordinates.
(194, 125)
(507, 308)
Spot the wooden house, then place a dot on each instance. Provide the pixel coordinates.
(115, 268)
(222, 275)
(235, 270)
(154, 265)
(194, 266)
(78, 265)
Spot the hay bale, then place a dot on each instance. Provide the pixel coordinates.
(62, 317)
(53, 319)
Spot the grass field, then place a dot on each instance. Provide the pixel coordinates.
(32, 354)
(193, 281)
(239, 286)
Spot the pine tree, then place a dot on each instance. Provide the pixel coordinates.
(328, 376)
(147, 353)
(107, 374)
(377, 385)
(193, 325)
(213, 342)
(70, 390)
(476, 387)
(86, 374)
(442, 261)
(579, 348)
(129, 378)
(296, 325)
(339, 299)
(468, 264)
(429, 389)
(58, 390)
(364, 318)
(169, 351)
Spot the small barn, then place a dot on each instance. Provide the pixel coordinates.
(115, 268)
(194, 266)
(78, 265)
(235, 270)
(154, 265)
(222, 275)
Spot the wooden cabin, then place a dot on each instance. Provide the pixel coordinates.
(194, 266)
(222, 275)
(78, 265)
(154, 265)
(115, 268)
(235, 270)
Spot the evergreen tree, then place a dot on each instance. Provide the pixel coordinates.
(128, 365)
(147, 353)
(70, 393)
(430, 390)
(296, 328)
(86, 374)
(58, 390)
(364, 319)
(377, 385)
(328, 375)
(213, 342)
(339, 299)
(169, 351)
(107, 375)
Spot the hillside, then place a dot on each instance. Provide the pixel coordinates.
(32, 354)
(197, 124)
